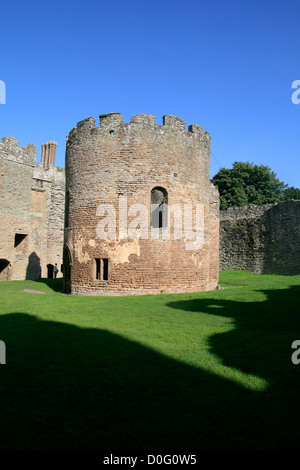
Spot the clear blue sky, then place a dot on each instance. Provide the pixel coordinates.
(226, 65)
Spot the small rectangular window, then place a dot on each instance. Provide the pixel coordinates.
(101, 269)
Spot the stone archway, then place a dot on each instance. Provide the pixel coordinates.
(50, 271)
(5, 270)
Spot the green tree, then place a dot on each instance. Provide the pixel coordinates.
(291, 193)
(246, 183)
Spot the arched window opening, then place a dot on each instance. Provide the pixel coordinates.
(159, 207)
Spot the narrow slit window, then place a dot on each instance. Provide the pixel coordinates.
(98, 270)
(67, 204)
(105, 269)
(160, 222)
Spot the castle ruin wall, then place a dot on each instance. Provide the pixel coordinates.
(261, 239)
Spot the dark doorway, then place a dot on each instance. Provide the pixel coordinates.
(50, 271)
(5, 270)
(67, 270)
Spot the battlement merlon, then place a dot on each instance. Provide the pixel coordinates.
(10, 150)
(113, 121)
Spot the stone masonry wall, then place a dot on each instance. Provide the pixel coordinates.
(32, 207)
(118, 160)
(261, 239)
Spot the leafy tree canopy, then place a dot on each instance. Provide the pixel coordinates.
(291, 193)
(246, 184)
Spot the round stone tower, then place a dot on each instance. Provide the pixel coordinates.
(141, 214)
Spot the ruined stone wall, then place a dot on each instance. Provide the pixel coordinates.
(261, 239)
(214, 225)
(31, 200)
(50, 226)
(17, 166)
(118, 160)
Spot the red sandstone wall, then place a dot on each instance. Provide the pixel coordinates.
(138, 156)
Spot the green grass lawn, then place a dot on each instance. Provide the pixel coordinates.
(195, 371)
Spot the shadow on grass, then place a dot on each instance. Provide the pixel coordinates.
(262, 334)
(55, 284)
(66, 387)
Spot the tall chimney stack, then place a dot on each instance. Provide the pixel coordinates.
(48, 154)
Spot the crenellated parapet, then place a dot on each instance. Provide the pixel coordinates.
(167, 152)
(112, 124)
(11, 151)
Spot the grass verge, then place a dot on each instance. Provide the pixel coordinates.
(207, 370)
